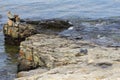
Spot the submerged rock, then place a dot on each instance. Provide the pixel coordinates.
(52, 26)
(52, 23)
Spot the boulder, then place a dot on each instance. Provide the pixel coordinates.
(48, 51)
(16, 34)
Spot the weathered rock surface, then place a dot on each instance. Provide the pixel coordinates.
(47, 51)
(16, 34)
(69, 63)
(77, 72)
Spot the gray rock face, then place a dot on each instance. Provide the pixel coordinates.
(65, 57)
(48, 51)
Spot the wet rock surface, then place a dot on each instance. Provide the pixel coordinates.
(51, 23)
(50, 26)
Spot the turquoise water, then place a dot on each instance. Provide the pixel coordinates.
(78, 11)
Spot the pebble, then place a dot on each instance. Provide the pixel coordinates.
(84, 51)
(90, 61)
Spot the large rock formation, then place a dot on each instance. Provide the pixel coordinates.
(71, 60)
(16, 34)
(48, 51)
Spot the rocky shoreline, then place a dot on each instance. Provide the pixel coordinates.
(58, 58)
(62, 59)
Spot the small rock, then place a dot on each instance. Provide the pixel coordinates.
(84, 51)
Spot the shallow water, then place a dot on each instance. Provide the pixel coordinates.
(95, 20)
(8, 58)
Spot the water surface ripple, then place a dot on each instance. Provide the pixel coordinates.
(60, 8)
